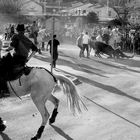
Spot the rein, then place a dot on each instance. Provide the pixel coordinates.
(14, 90)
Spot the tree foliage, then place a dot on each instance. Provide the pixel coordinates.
(92, 17)
(12, 10)
(120, 7)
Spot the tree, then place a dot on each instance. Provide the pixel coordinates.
(12, 10)
(120, 7)
(92, 18)
(115, 22)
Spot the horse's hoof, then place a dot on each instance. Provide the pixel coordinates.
(2, 127)
(34, 138)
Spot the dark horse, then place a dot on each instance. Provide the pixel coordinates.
(102, 48)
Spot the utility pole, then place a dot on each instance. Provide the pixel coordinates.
(0, 48)
(53, 30)
(107, 7)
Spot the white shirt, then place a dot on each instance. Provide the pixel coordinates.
(99, 38)
(86, 39)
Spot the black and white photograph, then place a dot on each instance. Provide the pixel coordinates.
(69, 69)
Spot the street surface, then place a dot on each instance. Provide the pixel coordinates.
(110, 89)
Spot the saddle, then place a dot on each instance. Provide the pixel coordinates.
(14, 74)
(9, 71)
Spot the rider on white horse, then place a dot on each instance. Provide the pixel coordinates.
(8, 64)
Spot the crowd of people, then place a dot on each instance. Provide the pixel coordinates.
(112, 35)
(36, 34)
(128, 38)
(115, 36)
(30, 29)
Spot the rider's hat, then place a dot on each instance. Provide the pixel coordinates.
(20, 27)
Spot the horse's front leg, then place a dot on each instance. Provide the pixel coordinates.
(40, 104)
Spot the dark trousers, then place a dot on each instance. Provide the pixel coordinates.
(55, 57)
(19, 60)
(106, 38)
(34, 35)
(85, 46)
(81, 51)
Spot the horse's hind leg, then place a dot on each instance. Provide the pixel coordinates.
(55, 101)
(40, 104)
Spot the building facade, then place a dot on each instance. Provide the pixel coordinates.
(104, 13)
(134, 13)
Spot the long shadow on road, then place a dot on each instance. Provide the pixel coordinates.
(61, 132)
(117, 67)
(76, 66)
(129, 62)
(108, 88)
(86, 68)
(5, 136)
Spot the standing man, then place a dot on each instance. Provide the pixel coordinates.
(34, 32)
(86, 40)
(99, 37)
(79, 43)
(0, 48)
(56, 43)
(106, 34)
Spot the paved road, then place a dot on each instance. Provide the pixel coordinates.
(110, 89)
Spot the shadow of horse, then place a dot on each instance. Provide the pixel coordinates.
(4, 136)
(61, 132)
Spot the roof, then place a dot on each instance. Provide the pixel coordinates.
(80, 6)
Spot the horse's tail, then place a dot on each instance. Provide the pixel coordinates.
(73, 98)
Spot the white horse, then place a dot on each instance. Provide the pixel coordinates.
(41, 84)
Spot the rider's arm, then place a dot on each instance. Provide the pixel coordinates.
(14, 41)
(34, 48)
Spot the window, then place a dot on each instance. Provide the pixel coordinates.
(84, 11)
